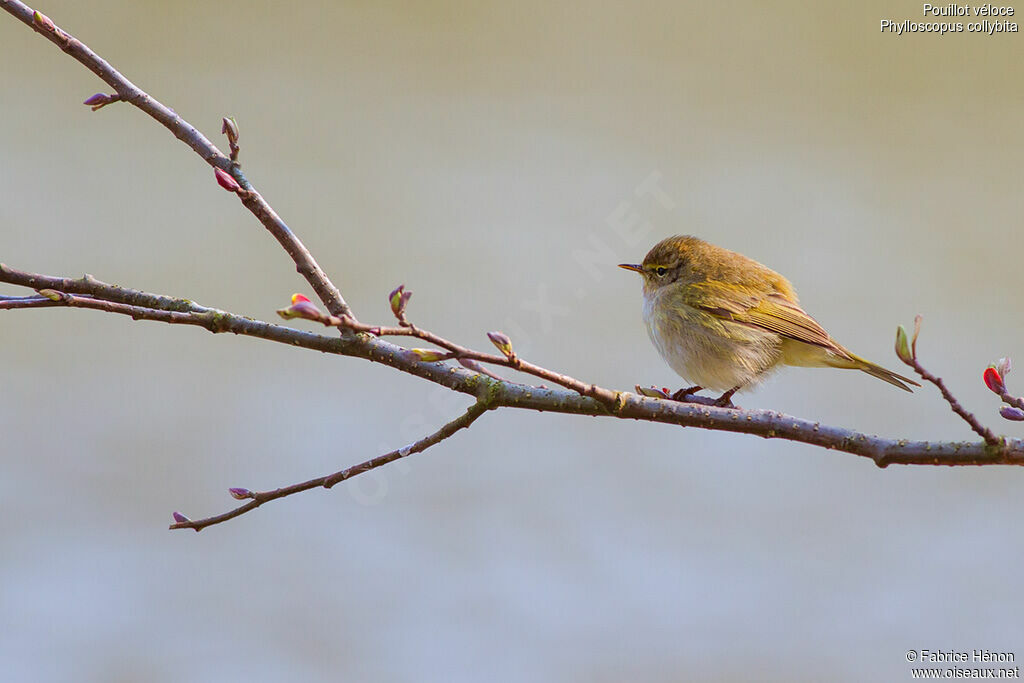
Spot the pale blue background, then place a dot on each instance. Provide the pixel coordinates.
(466, 149)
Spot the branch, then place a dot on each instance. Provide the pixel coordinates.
(10, 303)
(258, 498)
(909, 356)
(229, 173)
(507, 394)
(128, 92)
(302, 308)
(147, 306)
(968, 417)
(365, 341)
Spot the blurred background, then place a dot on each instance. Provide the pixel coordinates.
(493, 157)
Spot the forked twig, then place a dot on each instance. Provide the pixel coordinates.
(909, 356)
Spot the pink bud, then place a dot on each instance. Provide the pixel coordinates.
(180, 518)
(240, 493)
(302, 307)
(99, 100)
(307, 310)
(226, 181)
(993, 381)
(1012, 413)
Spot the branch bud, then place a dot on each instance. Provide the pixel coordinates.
(902, 346)
(100, 100)
(993, 381)
(429, 355)
(43, 21)
(301, 308)
(229, 128)
(652, 392)
(51, 294)
(240, 493)
(1012, 413)
(1003, 367)
(226, 180)
(503, 344)
(180, 518)
(398, 298)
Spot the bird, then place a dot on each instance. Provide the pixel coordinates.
(725, 322)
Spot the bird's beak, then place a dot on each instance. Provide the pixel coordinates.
(632, 266)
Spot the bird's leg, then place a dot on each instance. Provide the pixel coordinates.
(683, 394)
(725, 400)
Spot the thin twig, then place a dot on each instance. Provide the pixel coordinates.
(981, 430)
(190, 135)
(1010, 399)
(330, 480)
(209, 318)
(909, 357)
(8, 303)
(606, 396)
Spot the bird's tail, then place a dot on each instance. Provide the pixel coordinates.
(878, 371)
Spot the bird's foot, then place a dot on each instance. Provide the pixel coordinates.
(684, 395)
(725, 400)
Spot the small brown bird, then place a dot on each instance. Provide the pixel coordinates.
(725, 321)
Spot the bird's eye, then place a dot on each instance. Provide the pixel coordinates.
(661, 270)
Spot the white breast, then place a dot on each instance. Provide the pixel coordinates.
(719, 359)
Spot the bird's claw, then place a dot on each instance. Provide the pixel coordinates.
(725, 400)
(684, 395)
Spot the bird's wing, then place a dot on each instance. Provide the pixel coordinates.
(772, 312)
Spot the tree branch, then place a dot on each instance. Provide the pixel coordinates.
(258, 498)
(364, 341)
(507, 394)
(9, 303)
(968, 417)
(908, 354)
(128, 92)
